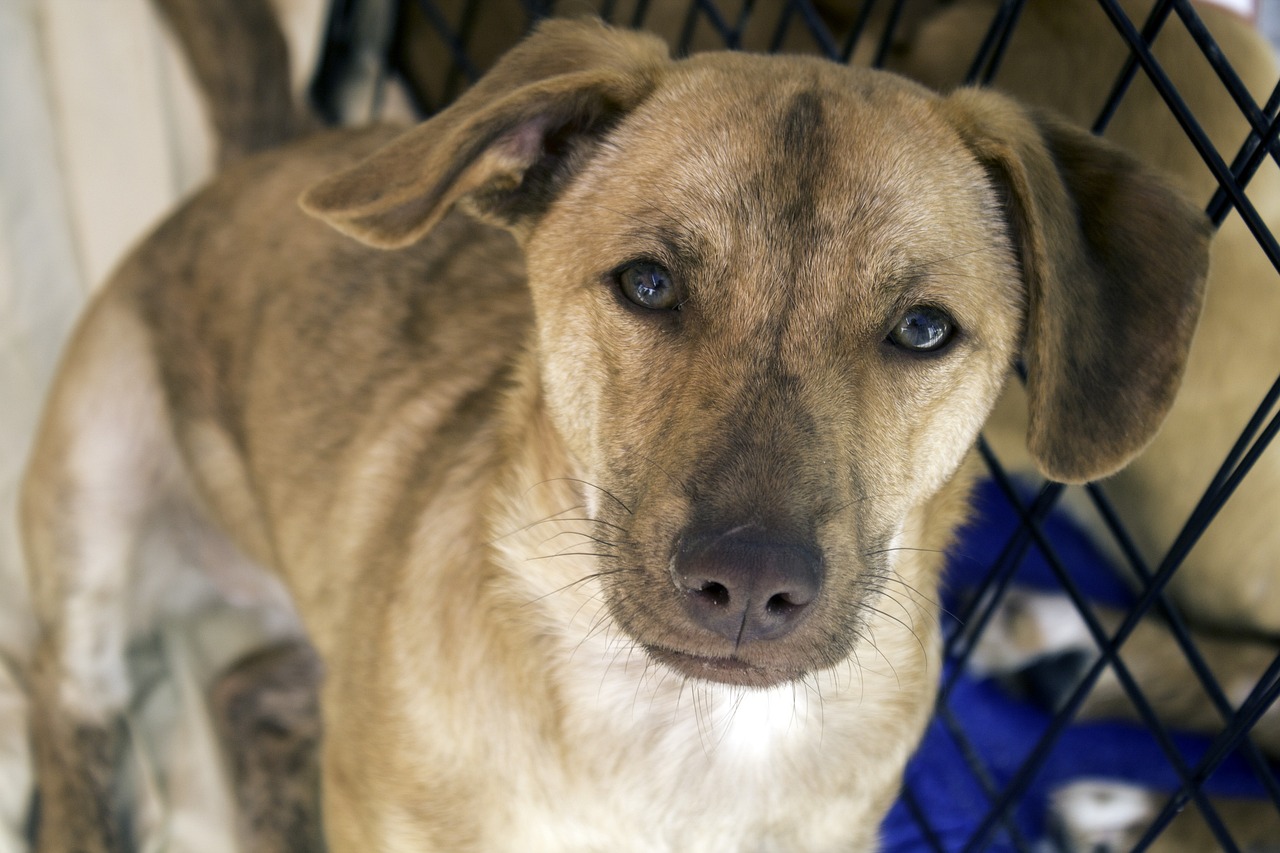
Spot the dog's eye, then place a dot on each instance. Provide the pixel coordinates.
(649, 285)
(923, 329)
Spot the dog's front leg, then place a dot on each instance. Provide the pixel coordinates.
(75, 765)
(266, 707)
(101, 458)
(79, 682)
(79, 689)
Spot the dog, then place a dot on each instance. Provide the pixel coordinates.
(605, 432)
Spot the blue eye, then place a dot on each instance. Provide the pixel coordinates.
(923, 328)
(649, 285)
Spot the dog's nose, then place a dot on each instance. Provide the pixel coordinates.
(747, 584)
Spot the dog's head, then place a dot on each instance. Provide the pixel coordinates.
(776, 298)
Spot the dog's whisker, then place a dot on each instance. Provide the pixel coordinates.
(660, 679)
(813, 687)
(604, 623)
(910, 628)
(878, 590)
(601, 613)
(908, 625)
(879, 551)
(611, 653)
(730, 715)
(600, 624)
(602, 542)
(838, 508)
(567, 551)
(870, 640)
(926, 607)
(704, 711)
(572, 554)
(559, 518)
(601, 522)
(640, 683)
(554, 517)
(855, 667)
(679, 484)
(616, 645)
(595, 486)
(573, 583)
(916, 595)
(597, 539)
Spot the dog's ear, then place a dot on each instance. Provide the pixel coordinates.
(1114, 261)
(506, 145)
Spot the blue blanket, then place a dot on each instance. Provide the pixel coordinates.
(1001, 731)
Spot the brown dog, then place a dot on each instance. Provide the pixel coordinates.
(622, 532)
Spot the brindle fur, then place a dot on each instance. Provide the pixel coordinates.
(238, 57)
(266, 705)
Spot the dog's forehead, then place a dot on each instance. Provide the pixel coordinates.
(729, 110)
(790, 143)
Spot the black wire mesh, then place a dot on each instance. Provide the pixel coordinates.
(437, 47)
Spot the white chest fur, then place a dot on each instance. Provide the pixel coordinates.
(652, 760)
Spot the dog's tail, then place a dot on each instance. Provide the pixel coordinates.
(238, 55)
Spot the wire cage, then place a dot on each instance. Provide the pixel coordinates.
(985, 779)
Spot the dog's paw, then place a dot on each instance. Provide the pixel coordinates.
(1035, 643)
(1106, 816)
(266, 708)
(1100, 816)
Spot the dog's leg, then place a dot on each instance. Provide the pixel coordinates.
(267, 711)
(1041, 642)
(101, 457)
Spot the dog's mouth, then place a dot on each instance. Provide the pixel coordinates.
(723, 670)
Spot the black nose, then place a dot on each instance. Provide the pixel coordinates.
(747, 584)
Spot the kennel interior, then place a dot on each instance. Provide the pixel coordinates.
(997, 756)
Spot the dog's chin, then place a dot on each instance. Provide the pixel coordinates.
(724, 670)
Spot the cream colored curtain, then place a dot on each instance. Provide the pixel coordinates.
(100, 134)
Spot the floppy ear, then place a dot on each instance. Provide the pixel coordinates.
(507, 145)
(1114, 261)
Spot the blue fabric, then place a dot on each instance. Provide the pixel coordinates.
(1003, 730)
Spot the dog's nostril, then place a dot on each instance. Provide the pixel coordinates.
(781, 604)
(715, 593)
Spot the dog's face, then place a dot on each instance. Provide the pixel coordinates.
(775, 300)
(766, 346)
